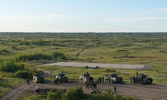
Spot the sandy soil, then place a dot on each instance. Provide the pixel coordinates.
(122, 66)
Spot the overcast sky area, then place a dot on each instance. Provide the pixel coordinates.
(83, 15)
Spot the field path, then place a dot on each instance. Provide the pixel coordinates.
(143, 92)
(79, 53)
(22, 90)
(18, 91)
(101, 65)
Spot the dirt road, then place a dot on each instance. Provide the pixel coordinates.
(122, 66)
(143, 92)
(18, 91)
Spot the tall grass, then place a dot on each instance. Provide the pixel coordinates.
(11, 66)
(39, 56)
(35, 56)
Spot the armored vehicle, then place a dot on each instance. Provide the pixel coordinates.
(114, 79)
(83, 77)
(141, 79)
(61, 78)
(88, 80)
(39, 77)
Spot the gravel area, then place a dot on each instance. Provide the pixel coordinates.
(100, 65)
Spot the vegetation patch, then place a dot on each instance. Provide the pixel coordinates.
(77, 93)
(11, 66)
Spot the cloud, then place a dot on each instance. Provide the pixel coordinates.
(162, 9)
(136, 19)
(42, 17)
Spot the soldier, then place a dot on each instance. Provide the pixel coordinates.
(100, 79)
(36, 88)
(103, 79)
(27, 81)
(109, 80)
(87, 74)
(115, 89)
(137, 74)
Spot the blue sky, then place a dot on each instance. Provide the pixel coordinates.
(83, 15)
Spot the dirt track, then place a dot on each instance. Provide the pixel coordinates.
(18, 91)
(143, 92)
(101, 65)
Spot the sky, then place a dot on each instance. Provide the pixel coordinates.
(83, 15)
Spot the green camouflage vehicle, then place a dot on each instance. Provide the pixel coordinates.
(88, 80)
(61, 78)
(114, 79)
(39, 77)
(141, 79)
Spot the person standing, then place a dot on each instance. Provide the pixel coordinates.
(115, 89)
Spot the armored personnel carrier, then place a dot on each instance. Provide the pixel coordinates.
(114, 79)
(141, 79)
(39, 77)
(61, 78)
(88, 80)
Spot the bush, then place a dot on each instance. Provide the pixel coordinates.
(110, 70)
(58, 55)
(30, 57)
(3, 51)
(24, 74)
(11, 66)
(39, 56)
(74, 94)
(53, 95)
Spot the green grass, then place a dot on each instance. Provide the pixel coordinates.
(159, 75)
(120, 48)
(7, 84)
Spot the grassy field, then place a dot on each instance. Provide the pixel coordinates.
(8, 82)
(159, 75)
(120, 48)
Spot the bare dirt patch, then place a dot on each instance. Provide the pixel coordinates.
(101, 65)
(143, 92)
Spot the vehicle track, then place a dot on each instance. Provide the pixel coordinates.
(143, 92)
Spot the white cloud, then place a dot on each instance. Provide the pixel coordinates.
(41, 17)
(162, 9)
(136, 19)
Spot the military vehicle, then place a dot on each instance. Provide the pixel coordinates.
(90, 83)
(61, 78)
(83, 77)
(39, 77)
(88, 80)
(141, 79)
(114, 79)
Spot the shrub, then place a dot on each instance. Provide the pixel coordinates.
(53, 95)
(39, 56)
(30, 57)
(11, 66)
(58, 55)
(3, 51)
(110, 70)
(26, 74)
(74, 94)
